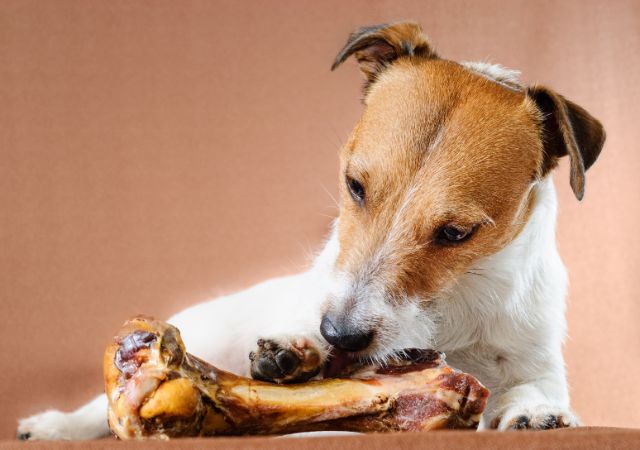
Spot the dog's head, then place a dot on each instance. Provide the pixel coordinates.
(437, 173)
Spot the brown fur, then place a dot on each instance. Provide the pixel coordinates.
(464, 148)
(468, 147)
(567, 129)
(377, 46)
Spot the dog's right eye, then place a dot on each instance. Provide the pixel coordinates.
(356, 190)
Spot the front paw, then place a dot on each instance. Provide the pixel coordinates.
(286, 360)
(540, 417)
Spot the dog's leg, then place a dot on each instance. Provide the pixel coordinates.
(270, 332)
(541, 403)
(295, 350)
(87, 422)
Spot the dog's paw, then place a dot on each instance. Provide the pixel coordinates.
(49, 425)
(536, 418)
(286, 360)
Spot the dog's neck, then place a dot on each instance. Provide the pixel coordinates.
(508, 286)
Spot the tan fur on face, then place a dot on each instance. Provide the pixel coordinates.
(437, 144)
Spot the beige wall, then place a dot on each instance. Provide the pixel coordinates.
(154, 154)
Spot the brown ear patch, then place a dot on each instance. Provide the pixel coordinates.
(377, 46)
(568, 129)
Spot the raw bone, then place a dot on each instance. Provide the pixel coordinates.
(157, 390)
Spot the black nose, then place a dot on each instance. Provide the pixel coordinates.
(344, 337)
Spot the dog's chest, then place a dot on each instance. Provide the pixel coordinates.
(492, 343)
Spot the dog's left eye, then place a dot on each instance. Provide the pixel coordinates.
(355, 189)
(453, 234)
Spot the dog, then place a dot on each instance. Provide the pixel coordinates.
(445, 239)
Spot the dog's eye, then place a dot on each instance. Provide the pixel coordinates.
(355, 189)
(453, 234)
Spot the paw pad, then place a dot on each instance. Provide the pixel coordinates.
(276, 363)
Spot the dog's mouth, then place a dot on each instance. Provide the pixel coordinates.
(340, 362)
(343, 363)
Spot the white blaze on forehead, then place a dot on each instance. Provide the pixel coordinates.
(340, 286)
(370, 279)
(361, 293)
(398, 226)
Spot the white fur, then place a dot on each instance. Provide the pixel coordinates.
(503, 321)
(87, 422)
(496, 72)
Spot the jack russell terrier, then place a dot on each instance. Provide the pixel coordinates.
(445, 239)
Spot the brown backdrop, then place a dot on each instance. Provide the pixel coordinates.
(154, 154)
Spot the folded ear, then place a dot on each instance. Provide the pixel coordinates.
(568, 130)
(378, 46)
